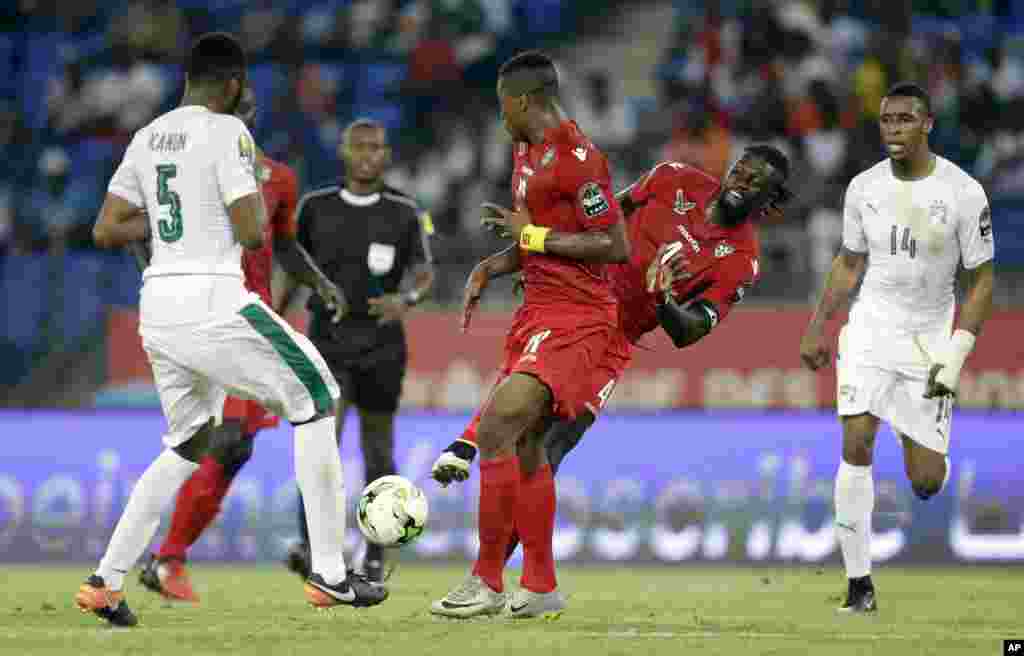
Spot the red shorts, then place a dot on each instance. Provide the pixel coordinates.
(608, 372)
(252, 415)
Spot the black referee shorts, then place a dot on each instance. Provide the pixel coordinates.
(370, 381)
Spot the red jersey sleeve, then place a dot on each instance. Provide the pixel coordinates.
(584, 177)
(729, 282)
(284, 220)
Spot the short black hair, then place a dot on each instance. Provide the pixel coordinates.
(777, 160)
(532, 71)
(911, 90)
(216, 57)
(360, 123)
(772, 155)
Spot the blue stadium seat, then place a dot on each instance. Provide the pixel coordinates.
(980, 32)
(24, 285)
(379, 80)
(42, 63)
(268, 82)
(91, 157)
(1007, 216)
(541, 17)
(83, 308)
(388, 113)
(121, 281)
(8, 66)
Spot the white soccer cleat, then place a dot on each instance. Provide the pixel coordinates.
(449, 467)
(472, 598)
(525, 604)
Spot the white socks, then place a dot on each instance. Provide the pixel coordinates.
(318, 472)
(855, 501)
(152, 494)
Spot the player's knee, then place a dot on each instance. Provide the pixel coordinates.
(234, 456)
(925, 487)
(196, 446)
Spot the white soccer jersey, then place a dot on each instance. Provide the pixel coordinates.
(186, 168)
(915, 234)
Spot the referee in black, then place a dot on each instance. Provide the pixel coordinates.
(365, 237)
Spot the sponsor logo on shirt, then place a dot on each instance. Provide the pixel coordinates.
(592, 200)
(985, 223)
(723, 249)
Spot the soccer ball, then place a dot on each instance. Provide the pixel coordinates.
(391, 511)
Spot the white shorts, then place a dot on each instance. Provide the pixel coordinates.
(252, 354)
(893, 393)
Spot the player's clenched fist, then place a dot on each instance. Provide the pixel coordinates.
(814, 349)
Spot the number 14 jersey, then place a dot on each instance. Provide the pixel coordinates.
(915, 234)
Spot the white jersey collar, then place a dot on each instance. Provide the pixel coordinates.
(359, 201)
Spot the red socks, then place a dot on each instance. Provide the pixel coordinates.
(197, 505)
(535, 523)
(499, 497)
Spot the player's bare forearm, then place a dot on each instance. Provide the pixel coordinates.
(502, 263)
(423, 280)
(248, 216)
(120, 223)
(297, 262)
(602, 246)
(847, 268)
(978, 285)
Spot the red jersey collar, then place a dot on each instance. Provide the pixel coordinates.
(564, 132)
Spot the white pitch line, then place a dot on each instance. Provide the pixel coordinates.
(849, 637)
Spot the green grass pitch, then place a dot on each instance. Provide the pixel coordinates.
(648, 610)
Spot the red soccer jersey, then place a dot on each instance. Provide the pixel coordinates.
(565, 184)
(720, 262)
(280, 193)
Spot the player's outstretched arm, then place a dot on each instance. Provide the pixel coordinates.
(600, 246)
(120, 223)
(299, 265)
(847, 269)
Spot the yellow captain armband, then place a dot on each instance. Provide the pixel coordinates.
(532, 238)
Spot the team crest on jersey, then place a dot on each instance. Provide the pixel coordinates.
(592, 200)
(723, 249)
(549, 156)
(938, 213)
(985, 223)
(847, 393)
(580, 152)
(246, 150)
(682, 206)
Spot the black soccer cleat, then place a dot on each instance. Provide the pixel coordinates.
(94, 596)
(355, 590)
(860, 597)
(148, 575)
(299, 560)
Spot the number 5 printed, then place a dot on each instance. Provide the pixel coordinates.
(170, 231)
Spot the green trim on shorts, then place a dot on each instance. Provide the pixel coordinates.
(290, 352)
